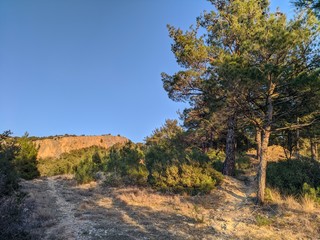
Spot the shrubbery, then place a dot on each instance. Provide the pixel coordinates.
(8, 175)
(291, 175)
(175, 167)
(216, 158)
(66, 163)
(126, 164)
(25, 162)
(312, 193)
(85, 171)
(12, 225)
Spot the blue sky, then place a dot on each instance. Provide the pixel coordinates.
(90, 67)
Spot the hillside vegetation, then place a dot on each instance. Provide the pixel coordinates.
(243, 164)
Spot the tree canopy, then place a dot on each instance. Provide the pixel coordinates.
(242, 61)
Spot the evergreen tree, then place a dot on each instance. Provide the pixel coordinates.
(244, 65)
(313, 5)
(25, 162)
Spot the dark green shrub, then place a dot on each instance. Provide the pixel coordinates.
(25, 162)
(138, 175)
(12, 225)
(243, 162)
(8, 175)
(127, 161)
(96, 158)
(312, 193)
(113, 179)
(66, 163)
(85, 171)
(175, 167)
(289, 176)
(217, 158)
(191, 179)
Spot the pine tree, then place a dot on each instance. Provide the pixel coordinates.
(244, 66)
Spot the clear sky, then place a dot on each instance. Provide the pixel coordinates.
(90, 67)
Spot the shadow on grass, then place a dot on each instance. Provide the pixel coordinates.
(117, 219)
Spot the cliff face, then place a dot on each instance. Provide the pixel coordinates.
(56, 146)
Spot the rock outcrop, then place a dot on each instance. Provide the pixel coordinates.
(54, 147)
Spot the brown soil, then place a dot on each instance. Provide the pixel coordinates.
(65, 210)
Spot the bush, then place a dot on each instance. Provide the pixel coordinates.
(186, 178)
(25, 162)
(67, 162)
(126, 161)
(12, 225)
(243, 162)
(289, 176)
(138, 175)
(8, 175)
(175, 167)
(85, 171)
(312, 193)
(217, 158)
(113, 179)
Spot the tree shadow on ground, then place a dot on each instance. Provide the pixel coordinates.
(116, 219)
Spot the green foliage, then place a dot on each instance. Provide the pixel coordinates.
(67, 161)
(242, 60)
(186, 178)
(175, 167)
(291, 175)
(96, 158)
(312, 193)
(12, 225)
(85, 171)
(263, 220)
(313, 5)
(217, 158)
(25, 162)
(127, 162)
(8, 176)
(113, 179)
(243, 162)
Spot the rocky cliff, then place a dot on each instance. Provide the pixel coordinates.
(54, 147)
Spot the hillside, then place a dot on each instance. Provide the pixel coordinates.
(54, 147)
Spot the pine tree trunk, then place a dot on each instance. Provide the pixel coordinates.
(258, 141)
(262, 171)
(313, 149)
(297, 143)
(230, 162)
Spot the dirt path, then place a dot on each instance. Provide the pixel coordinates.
(64, 210)
(68, 223)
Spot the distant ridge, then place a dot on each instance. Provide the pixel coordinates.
(55, 146)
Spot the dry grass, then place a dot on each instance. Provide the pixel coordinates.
(226, 213)
(275, 196)
(308, 204)
(290, 203)
(152, 199)
(275, 153)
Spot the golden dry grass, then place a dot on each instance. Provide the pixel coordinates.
(227, 213)
(290, 203)
(308, 204)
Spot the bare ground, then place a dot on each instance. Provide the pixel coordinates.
(64, 210)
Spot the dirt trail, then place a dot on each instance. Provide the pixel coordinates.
(64, 210)
(68, 223)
